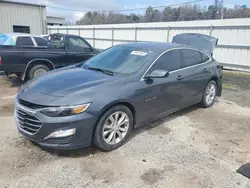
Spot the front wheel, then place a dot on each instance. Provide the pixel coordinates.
(37, 70)
(113, 128)
(209, 94)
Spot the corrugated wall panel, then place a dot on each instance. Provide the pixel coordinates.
(106, 34)
(102, 44)
(124, 34)
(26, 15)
(229, 32)
(152, 35)
(86, 33)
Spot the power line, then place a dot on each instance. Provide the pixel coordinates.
(126, 10)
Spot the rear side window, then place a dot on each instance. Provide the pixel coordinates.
(40, 41)
(55, 41)
(204, 57)
(190, 57)
(169, 61)
(24, 41)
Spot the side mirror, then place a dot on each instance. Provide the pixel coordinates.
(88, 50)
(159, 73)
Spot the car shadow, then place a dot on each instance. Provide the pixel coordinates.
(86, 152)
(14, 81)
(160, 121)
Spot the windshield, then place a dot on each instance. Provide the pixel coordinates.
(120, 59)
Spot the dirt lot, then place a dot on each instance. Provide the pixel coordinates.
(198, 148)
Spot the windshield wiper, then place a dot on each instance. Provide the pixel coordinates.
(108, 72)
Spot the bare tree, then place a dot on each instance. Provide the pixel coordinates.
(185, 12)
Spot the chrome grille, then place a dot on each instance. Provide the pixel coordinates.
(27, 122)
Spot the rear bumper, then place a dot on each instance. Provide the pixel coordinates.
(12, 68)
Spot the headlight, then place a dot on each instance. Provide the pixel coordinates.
(65, 110)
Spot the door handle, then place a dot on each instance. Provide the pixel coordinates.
(205, 70)
(180, 77)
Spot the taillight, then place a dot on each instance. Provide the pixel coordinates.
(1, 62)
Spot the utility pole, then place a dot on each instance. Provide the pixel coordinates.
(222, 8)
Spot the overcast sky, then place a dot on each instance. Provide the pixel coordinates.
(111, 5)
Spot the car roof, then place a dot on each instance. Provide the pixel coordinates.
(63, 35)
(158, 47)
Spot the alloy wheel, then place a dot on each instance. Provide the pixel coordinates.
(210, 93)
(39, 72)
(115, 128)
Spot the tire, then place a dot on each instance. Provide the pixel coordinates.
(37, 70)
(209, 94)
(101, 140)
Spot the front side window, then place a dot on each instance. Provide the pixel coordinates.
(191, 57)
(76, 43)
(24, 41)
(121, 59)
(169, 61)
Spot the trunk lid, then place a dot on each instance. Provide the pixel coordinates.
(202, 42)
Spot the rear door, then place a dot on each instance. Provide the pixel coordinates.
(78, 50)
(195, 74)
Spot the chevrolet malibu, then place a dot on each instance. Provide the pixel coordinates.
(101, 101)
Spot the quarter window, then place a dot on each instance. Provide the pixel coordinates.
(191, 57)
(169, 61)
(24, 41)
(204, 57)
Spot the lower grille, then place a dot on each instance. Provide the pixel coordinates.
(27, 122)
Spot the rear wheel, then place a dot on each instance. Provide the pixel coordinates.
(37, 71)
(113, 128)
(209, 94)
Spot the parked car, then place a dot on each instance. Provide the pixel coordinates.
(31, 62)
(121, 88)
(22, 39)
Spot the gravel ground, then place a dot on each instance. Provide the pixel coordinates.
(196, 148)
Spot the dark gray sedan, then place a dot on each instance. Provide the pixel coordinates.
(126, 86)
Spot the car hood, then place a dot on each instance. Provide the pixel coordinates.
(199, 41)
(70, 82)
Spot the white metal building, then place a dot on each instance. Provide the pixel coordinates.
(22, 17)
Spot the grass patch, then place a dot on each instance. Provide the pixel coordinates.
(236, 80)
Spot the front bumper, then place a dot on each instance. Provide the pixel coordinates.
(82, 123)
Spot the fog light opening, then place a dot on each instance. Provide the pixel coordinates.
(61, 133)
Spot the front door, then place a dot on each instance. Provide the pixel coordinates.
(78, 50)
(159, 96)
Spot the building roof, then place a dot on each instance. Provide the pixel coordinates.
(55, 17)
(22, 3)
